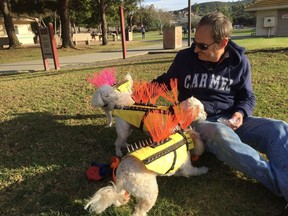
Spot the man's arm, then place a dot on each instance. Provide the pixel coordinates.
(166, 77)
(245, 97)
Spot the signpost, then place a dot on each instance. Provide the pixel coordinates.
(124, 50)
(48, 46)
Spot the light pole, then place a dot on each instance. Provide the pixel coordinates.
(189, 23)
(141, 14)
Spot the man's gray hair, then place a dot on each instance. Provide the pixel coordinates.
(221, 25)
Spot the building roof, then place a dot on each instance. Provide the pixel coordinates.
(267, 5)
(20, 19)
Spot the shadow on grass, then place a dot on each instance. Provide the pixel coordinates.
(45, 157)
(221, 191)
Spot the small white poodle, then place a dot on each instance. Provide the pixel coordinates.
(107, 97)
(110, 99)
(134, 178)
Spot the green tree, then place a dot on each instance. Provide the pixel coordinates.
(164, 18)
(131, 9)
(70, 13)
(239, 16)
(196, 9)
(225, 9)
(80, 12)
(6, 11)
(148, 18)
(108, 10)
(64, 12)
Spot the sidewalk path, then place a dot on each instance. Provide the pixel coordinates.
(37, 65)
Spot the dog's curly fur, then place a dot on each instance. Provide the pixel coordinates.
(107, 97)
(133, 177)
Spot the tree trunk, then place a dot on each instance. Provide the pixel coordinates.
(103, 21)
(8, 22)
(131, 22)
(65, 24)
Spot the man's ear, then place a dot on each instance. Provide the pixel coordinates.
(223, 43)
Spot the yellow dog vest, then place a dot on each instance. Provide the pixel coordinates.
(167, 157)
(124, 86)
(135, 114)
(164, 157)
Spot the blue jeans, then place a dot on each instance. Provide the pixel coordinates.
(239, 149)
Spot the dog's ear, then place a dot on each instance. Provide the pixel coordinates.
(97, 100)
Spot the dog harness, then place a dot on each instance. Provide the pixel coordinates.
(124, 86)
(165, 157)
(136, 114)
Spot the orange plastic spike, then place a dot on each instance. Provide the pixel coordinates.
(185, 116)
(166, 94)
(172, 97)
(144, 92)
(155, 92)
(174, 89)
(160, 125)
(136, 92)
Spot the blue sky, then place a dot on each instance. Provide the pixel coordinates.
(175, 4)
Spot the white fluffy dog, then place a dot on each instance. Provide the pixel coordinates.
(107, 98)
(133, 178)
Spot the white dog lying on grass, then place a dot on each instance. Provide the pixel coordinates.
(134, 178)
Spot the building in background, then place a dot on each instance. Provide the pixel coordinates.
(271, 17)
(23, 30)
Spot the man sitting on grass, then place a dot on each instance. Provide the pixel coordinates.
(216, 71)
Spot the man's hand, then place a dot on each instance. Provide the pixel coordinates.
(236, 120)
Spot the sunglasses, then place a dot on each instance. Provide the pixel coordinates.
(202, 46)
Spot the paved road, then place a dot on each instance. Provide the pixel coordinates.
(37, 65)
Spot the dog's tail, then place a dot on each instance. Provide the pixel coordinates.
(129, 78)
(106, 197)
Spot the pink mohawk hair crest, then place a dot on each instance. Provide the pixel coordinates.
(104, 77)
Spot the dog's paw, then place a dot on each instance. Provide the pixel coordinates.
(193, 171)
(202, 170)
(119, 153)
(108, 125)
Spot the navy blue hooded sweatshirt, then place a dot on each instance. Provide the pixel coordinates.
(223, 88)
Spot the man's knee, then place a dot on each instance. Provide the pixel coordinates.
(210, 130)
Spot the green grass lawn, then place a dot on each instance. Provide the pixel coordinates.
(32, 52)
(27, 53)
(50, 134)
